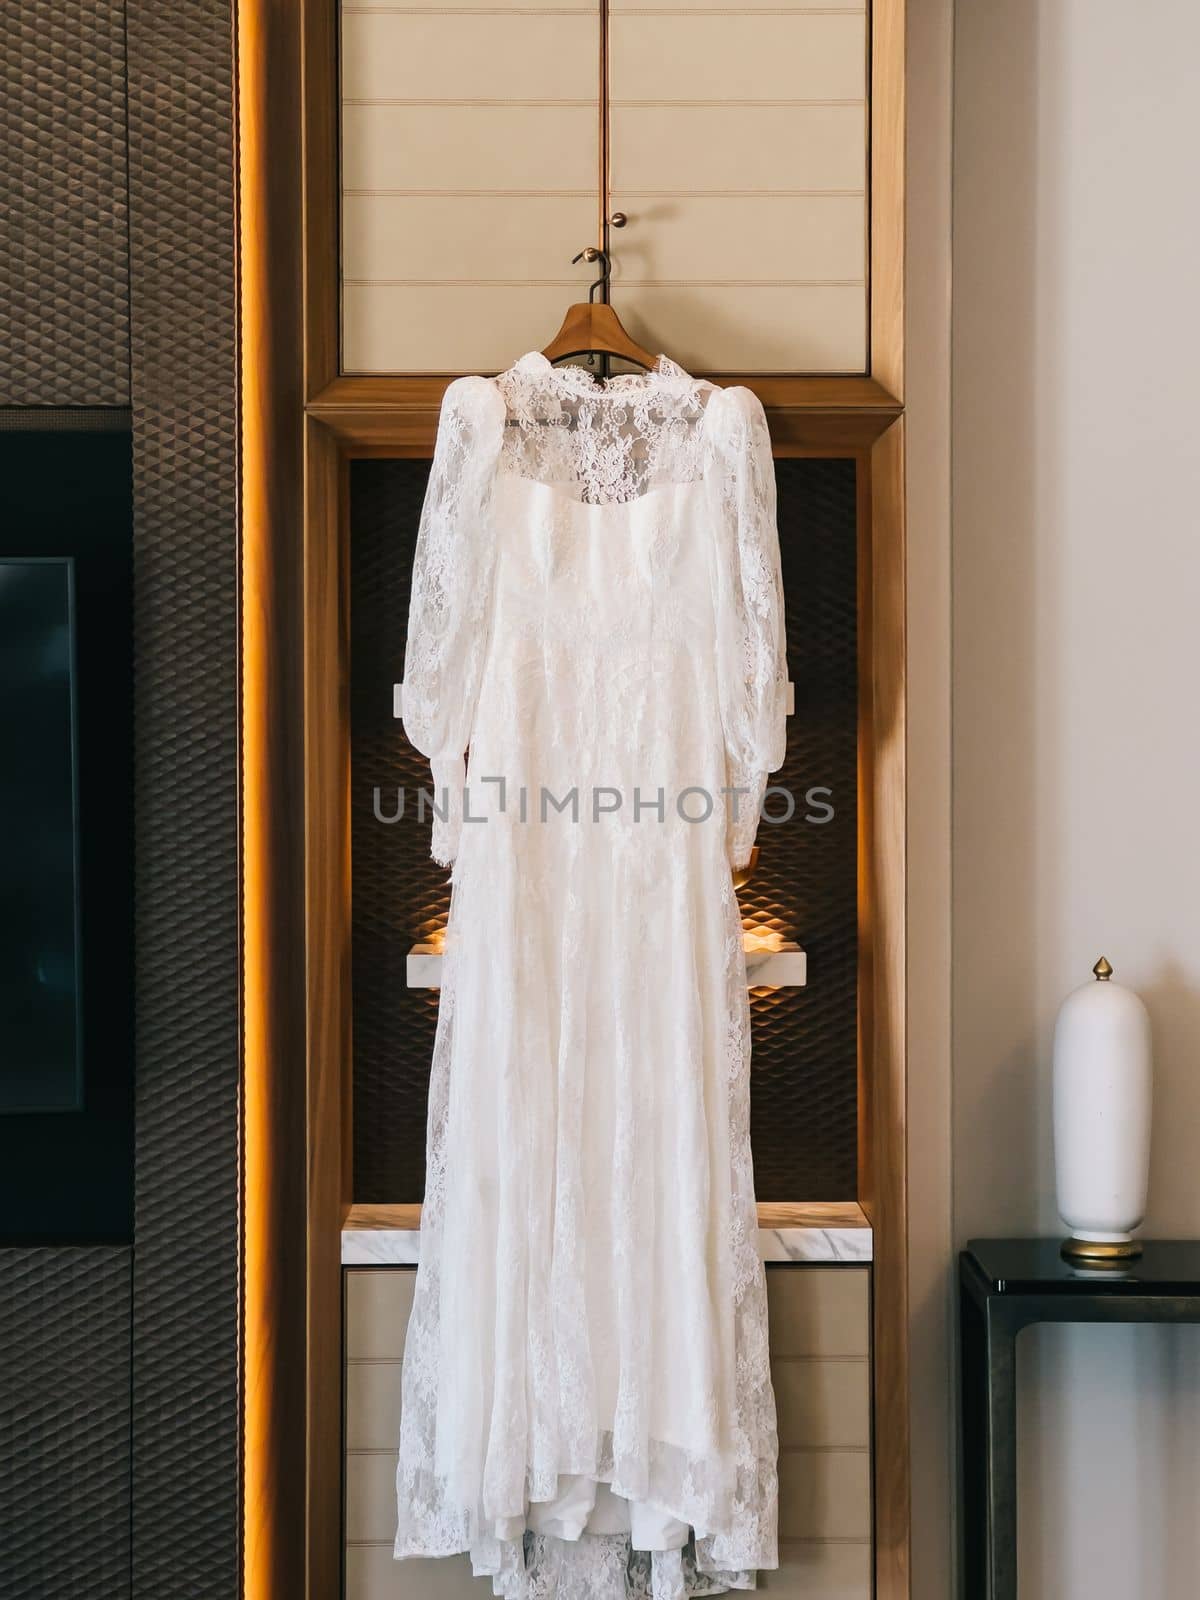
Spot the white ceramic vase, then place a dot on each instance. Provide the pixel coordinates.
(1103, 1087)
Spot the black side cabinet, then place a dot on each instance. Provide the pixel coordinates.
(1004, 1286)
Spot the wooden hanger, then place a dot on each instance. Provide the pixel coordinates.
(592, 327)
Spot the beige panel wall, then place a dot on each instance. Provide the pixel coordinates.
(739, 142)
(747, 327)
(820, 1343)
(743, 148)
(699, 53)
(469, 162)
(449, 327)
(1076, 762)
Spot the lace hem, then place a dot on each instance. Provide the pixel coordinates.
(710, 1495)
(730, 1501)
(541, 1567)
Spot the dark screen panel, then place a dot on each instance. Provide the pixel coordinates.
(804, 1072)
(39, 910)
(66, 500)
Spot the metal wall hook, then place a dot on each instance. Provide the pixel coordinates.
(592, 254)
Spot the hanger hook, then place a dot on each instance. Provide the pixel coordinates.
(593, 254)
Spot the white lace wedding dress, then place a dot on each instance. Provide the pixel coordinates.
(597, 613)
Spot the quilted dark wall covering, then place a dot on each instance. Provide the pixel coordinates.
(186, 1521)
(117, 278)
(804, 1073)
(64, 265)
(64, 1424)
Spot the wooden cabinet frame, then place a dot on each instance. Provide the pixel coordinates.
(302, 423)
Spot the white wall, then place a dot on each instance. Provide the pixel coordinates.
(1076, 725)
(927, 397)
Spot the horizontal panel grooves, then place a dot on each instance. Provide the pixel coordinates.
(577, 194)
(660, 102)
(470, 100)
(823, 1404)
(624, 10)
(469, 11)
(832, 1570)
(780, 93)
(451, 328)
(819, 1335)
(589, 10)
(432, 55)
(625, 283)
(738, 147)
(815, 1312)
(590, 102)
(467, 194)
(460, 283)
(823, 1495)
(503, 104)
(615, 6)
(675, 240)
(663, 57)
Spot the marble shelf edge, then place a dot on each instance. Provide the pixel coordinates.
(818, 1232)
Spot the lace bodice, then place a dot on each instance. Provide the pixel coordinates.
(602, 442)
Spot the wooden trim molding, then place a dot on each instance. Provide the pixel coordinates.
(327, 981)
(398, 416)
(883, 986)
(328, 1044)
(774, 1214)
(360, 395)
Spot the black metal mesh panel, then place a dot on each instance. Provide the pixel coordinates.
(186, 1520)
(64, 272)
(64, 1424)
(804, 1074)
(804, 1070)
(399, 894)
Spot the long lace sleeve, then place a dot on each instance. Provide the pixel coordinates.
(451, 595)
(748, 599)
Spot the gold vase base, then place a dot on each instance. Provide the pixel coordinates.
(1099, 1253)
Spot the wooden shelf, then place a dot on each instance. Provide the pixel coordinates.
(771, 1214)
(783, 966)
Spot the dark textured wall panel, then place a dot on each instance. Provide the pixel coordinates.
(64, 1424)
(804, 1072)
(64, 265)
(186, 1520)
(398, 894)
